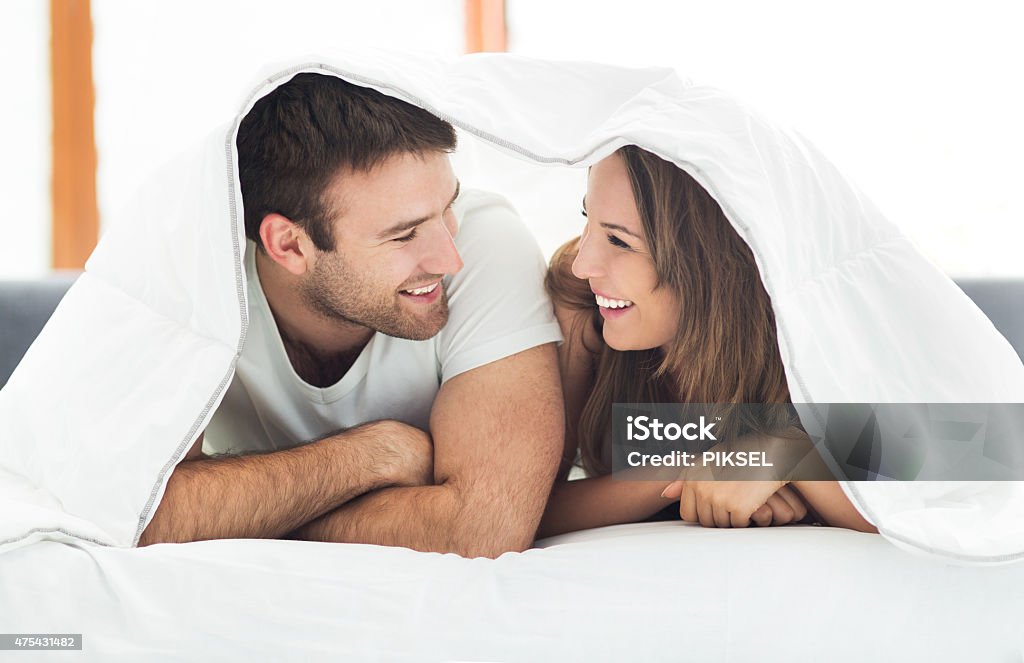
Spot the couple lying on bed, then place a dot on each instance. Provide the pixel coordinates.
(383, 304)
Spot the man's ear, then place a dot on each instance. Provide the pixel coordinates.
(287, 244)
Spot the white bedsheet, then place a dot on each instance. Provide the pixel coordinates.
(651, 591)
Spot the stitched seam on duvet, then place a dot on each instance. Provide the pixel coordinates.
(32, 531)
(1006, 557)
(226, 380)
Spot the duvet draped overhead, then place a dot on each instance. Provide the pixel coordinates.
(139, 354)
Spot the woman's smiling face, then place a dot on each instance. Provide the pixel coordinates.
(614, 257)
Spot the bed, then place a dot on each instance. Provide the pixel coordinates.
(648, 591)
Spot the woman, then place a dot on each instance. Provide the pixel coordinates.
(660, 300)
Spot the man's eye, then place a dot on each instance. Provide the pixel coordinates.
(407, 238)
(615, 241)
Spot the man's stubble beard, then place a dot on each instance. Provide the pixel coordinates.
(335, 291)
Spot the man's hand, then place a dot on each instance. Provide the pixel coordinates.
(205, 499)
(408, 455)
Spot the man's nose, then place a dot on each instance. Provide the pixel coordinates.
(587, 264)
(443, 256)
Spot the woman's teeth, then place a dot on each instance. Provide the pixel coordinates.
(422, 291)
(613, 303)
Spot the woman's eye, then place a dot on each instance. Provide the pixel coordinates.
(583, 211)
(615, 241)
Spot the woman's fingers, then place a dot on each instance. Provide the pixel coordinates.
(762, 517)
(706, 513)
(794, 502)
(738, 520)
(782, 513)
(688, 505)
(673, 491)
(722, 518)
(707, 504)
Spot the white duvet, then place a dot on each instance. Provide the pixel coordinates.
(138, 355)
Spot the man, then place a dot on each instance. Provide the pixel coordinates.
(372, 311)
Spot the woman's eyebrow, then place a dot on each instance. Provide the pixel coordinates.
(615, 226)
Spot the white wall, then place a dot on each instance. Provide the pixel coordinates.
(25, 139)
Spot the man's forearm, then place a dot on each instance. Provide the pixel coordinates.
(497, 434)
(425, 518)
(266, 495)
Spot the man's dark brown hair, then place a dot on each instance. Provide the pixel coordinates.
(296, 139)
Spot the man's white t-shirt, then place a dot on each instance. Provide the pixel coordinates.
(497, 307)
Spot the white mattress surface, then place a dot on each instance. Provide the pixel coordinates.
(649, 591)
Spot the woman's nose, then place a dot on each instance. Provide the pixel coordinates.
(587, 264)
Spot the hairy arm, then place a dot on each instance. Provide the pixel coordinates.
(497, 431)
(267, 495)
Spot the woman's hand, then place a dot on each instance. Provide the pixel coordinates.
(728, 503)
(782, 508)
(736, 503)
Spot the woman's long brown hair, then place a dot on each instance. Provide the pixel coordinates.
(726, 348)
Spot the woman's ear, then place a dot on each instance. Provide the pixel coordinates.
(287, 244)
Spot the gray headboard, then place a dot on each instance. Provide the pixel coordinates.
(25, 306)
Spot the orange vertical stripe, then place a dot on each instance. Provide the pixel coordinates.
(75, 212)
(485, 26)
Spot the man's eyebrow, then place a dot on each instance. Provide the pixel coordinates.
(612, 226)
(409, 225)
